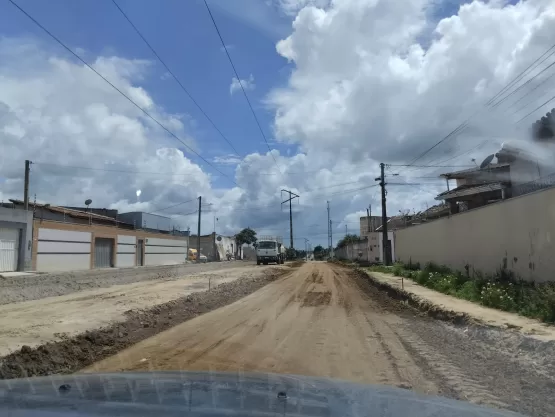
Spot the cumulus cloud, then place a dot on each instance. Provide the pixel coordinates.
(236, 84)
(84, 139)
(372, 81)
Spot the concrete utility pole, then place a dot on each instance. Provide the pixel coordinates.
(331, 241)
(198, 230)
(306, 248)
(26, 185)
(292, 195)
(385, 237)
(329, 230)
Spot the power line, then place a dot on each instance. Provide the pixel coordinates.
(175, 205)
(523, 85)
(537, 108)
(240, 83)
(463, 125)
(174, 77)
(108, 169)
(521, 75)
(116, 88)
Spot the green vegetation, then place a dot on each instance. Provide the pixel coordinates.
(347, 240)
(500, 290)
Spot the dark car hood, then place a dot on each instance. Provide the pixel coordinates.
(218, 394)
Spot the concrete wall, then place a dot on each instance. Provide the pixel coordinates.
(59, 246)
(207, 246)
(358, 250)
(371, 249)
(23, 221)
(126, 251)
(63, 250)
(165, 251)
(518, 233)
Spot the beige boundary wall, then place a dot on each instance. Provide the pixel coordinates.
(518, 234)
(61, 246)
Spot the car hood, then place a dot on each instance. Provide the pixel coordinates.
(218, 394)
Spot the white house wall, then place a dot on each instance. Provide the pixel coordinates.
(165, 251)
(63, 250)
(126, 248)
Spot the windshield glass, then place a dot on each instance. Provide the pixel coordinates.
(266, 245)
(350, 189)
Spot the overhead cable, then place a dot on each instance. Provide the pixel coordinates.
(118, 90)
(175, 78)
(240, 83)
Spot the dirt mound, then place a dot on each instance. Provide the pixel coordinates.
(316, 298)
(72, 354)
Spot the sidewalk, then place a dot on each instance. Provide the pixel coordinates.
(489, 316)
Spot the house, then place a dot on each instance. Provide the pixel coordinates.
(66, 239)
(516, 172)
(16, 228)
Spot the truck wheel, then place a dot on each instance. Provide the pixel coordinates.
(265, 263)
(258, 262)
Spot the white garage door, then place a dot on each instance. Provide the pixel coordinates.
(9, 249)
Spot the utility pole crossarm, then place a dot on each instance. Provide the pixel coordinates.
(292, 196)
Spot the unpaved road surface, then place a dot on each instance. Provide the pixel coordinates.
(325, 320)
(33, 323)
(34, 287)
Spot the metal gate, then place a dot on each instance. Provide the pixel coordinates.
(103, 252)
(9, 249)
(140, 244)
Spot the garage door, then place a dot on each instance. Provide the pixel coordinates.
(103, 250)
(9, 249)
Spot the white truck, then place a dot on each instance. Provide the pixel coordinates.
(270, 249)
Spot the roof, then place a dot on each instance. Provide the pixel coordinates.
(470, 189)
(69, 212)
(466, 172)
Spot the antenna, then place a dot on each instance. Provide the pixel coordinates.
(487, 161)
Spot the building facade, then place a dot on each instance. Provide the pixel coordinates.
(15, 239)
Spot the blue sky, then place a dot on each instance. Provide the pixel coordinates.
(183, 35)
(356, 99)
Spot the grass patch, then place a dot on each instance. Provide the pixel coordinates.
(501, 290)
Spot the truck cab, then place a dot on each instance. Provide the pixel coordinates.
(269, 250)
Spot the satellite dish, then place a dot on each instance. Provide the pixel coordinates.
(88, 202)
(487, 161)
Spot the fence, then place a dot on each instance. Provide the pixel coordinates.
(517, 235)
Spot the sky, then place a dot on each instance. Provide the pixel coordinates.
(337, 86)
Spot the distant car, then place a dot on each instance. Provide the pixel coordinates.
(203, 258)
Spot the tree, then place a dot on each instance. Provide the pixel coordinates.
(347, 240)
(247, 236)
(319, 252)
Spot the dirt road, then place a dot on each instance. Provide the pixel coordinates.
(321, 320)
(32, 323)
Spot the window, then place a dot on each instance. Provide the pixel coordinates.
(266, 245)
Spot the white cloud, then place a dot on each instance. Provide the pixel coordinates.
(236, 84)
(230, 159)
(372, 81)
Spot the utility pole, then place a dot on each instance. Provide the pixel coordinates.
(26, 185)
(306, 248)
(292, 195)
(345, 230)
(331, 241)
(198, 232)
(385, 237)
(329, 230)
